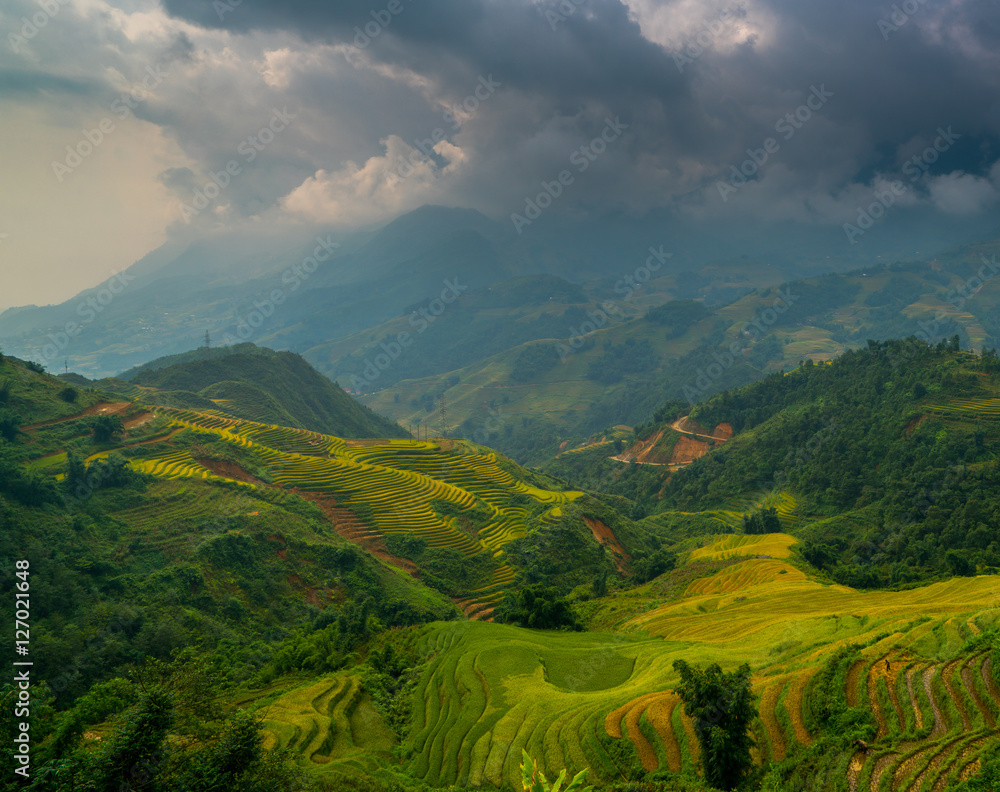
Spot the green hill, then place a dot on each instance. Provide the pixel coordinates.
(262, 385)
(322, 584)
(531, 398)
(882, 461)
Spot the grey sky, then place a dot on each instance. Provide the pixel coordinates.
(314, 127)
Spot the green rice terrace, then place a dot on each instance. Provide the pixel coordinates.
(913, 668)
(417, 488)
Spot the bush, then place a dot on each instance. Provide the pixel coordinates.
(106, 428)
(68, 395)
(537, 607)
(10, 425)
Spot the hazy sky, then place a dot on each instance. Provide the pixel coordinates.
(320, 112)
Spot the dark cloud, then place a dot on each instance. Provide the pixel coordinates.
(895, 80)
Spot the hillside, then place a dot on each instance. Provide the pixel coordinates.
(230, 283)
(652, 347)
(882, 462)
(325, 583)
(259, 384)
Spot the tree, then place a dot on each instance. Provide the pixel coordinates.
(764, 521)
(237, 760)
(722, 707)
(10, 425)
(106, 427)
(135, 752)
(654, 565)
(538, 607)
(959, 565)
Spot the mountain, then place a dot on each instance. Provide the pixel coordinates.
(301, 288)
(615, 357)
(883, 459)
(202, 567)
(259, 384)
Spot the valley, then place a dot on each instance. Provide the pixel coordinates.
(373, 603)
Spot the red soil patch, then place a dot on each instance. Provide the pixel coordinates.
(606, 536)
(136, 421)
(346, 523)
(228, 470)
(688, 449)
(723, 431)
(689, 427)
(643, 453)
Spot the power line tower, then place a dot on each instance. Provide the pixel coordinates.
(208, 343)
(444, 415)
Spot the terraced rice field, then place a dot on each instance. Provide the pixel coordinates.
(328, 723)
(491, 690)
(982, 408)
(739, 545)
(396, 486)
(783, 503)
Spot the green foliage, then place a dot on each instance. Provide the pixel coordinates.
(390, 676)
(653, 565)
(10, 425)
(538, 607)
(534, 780)
(900, 486)
(236, 760)
(106, 428)
(723, 708)
(106, 699)
(134, 753)
(988, 777)
(764, 521)
(825, 701)
(68, 395)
